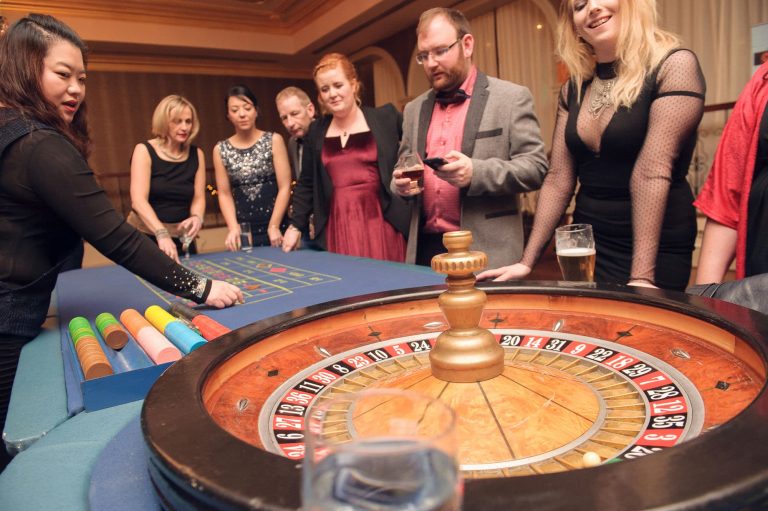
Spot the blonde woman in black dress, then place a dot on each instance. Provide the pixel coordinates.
(168, 179)
(626, 129)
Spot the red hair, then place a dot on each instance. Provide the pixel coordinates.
(332, 61)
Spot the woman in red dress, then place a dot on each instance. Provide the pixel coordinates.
(347, 163)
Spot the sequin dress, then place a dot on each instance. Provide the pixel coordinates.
(253, 181)
(356, 225)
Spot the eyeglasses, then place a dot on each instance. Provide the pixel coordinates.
(437, 54)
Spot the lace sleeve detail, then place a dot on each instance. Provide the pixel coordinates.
(674, 116)
(557, 190)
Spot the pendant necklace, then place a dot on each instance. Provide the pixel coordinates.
(602, 85)
(345, 131)
(600, 96)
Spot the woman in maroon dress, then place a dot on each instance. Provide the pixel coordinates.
(347, 163)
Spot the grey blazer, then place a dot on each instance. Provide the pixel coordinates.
(503, 139)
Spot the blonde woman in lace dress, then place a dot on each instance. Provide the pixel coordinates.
(625, 132)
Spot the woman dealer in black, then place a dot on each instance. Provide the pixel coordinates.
(49, 198)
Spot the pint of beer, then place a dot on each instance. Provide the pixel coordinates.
(575, 246)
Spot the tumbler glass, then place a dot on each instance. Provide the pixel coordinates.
(381, 450)
(246, 236)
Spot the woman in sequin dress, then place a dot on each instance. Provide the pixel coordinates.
(626, 130)
(253, 174)
(347, 164)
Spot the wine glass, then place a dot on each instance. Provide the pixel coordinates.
(413, 169)
(186, 241)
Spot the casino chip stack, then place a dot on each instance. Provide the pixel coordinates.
(111, 331)
(92, 359)
(154, 344)
(209, 328)
(179, 334)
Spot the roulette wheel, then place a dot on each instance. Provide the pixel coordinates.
(588, 396)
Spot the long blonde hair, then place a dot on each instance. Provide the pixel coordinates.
(640, 48)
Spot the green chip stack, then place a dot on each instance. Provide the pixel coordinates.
(92, 359)
(111, 331)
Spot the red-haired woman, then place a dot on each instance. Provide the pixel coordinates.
(347, 165)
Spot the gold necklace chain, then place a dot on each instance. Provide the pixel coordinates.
(600, 96)
(170, 156)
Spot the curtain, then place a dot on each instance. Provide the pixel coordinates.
(387, 84)
(526, 57)
(484, 32)
(525, 38)
(417, 79)
(718, 31)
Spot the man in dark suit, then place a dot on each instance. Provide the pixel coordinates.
(296, 113)
(486, 131)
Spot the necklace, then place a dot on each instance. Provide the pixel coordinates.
(170, 156)
(600, 96)
(345, 131)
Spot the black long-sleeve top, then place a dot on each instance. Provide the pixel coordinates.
(49, 199)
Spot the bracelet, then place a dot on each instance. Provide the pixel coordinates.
(199, 218)
(273, 225)
(293, 228)
(162, 233)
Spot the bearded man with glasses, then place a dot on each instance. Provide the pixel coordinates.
(487, 135)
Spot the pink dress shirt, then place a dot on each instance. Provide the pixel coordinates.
(442, 207)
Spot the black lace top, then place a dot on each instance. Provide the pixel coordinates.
(634, 155)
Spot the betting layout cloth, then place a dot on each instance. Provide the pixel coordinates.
(260, 279)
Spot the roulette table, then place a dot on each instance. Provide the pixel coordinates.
(609, 398)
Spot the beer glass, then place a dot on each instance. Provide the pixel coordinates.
(575, 247)
(381, 450)
(413, 169)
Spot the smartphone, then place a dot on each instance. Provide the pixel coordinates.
(435, 162)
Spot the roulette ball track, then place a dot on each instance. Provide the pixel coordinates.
(664, 392)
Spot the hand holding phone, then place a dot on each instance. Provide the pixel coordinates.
(435, 163)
